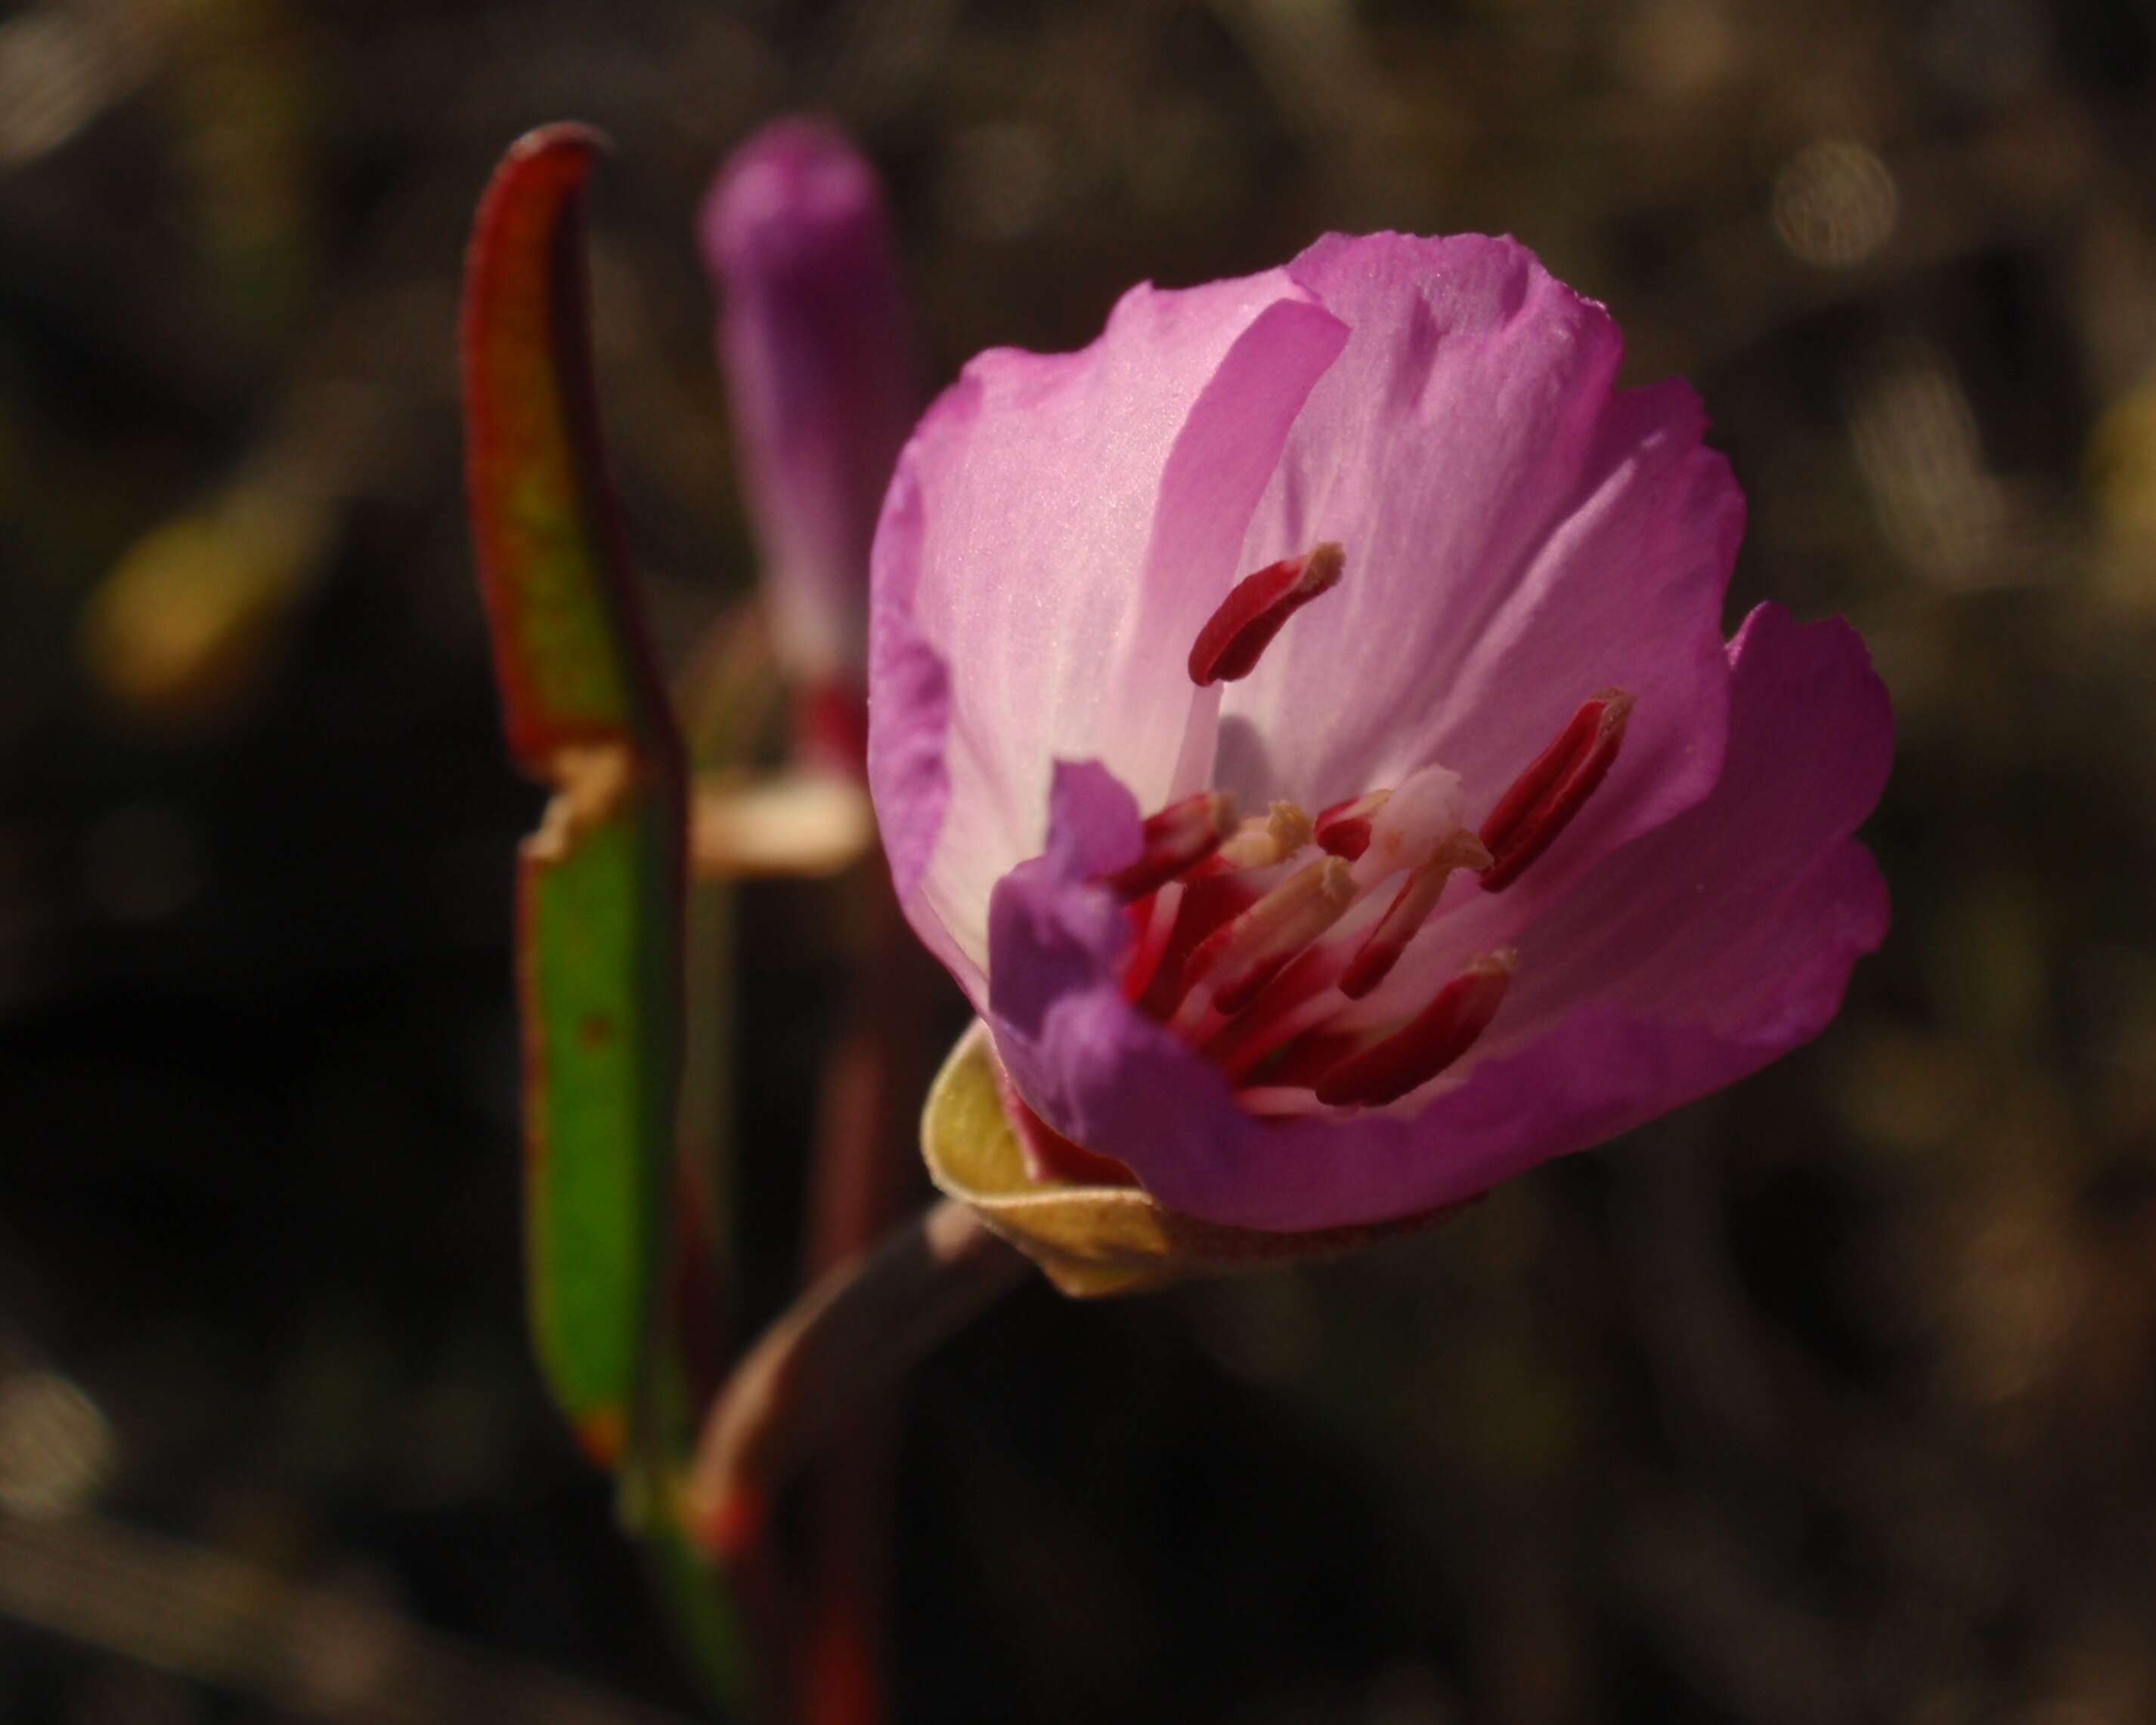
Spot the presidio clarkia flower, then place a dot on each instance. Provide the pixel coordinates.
(1300, 721)
(817, 347)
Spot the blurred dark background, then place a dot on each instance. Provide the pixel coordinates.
(1833, 1399)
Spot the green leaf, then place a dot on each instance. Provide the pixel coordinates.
(597, 927)
(600, 886)
(602, 914)
(1091, 1241)
(571, 652)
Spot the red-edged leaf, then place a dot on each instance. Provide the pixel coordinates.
(570, 647)
(600, 885)
(601, 910)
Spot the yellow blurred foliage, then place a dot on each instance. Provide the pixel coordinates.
(179, 629)
(2121, 462)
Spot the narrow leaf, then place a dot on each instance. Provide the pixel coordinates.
(600, 883)
(597, 927)
(569, 644)
(602, 915)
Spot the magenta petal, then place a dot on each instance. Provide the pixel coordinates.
(1056, 525)
(1601, 1070)
(906, 760)
(1052, 935)
(1662, 928)
(1692, 957)
(1093, 823)
(1082, 1058)
(1518, 532)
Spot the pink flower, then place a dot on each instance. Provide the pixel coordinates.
(814, 339)
(1535, 857)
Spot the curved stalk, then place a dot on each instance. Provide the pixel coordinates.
(854, 1331)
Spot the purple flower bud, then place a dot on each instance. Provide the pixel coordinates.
(817, 346)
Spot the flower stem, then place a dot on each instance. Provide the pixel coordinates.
(854, 1331)
(864, 1174)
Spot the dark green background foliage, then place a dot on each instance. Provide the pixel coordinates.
(1833, 1399)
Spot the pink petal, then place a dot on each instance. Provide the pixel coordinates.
(1692, 957)
(1660, 929)
(1057, 530)
(1063, 933)
(1518, 535)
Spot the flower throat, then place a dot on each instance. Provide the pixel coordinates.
(1250, 947)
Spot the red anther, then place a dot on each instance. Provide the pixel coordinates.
(1249, 952)
(1242, 989)
(1179, 837)
(1205, 903)
(1300, 1062)
(1544, 798)
(1409, 910)
(1374, 959)
(1345, 829)
(1235, 636)
(1436, 1037)
(1292, 1002)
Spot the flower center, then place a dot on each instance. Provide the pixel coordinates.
(1259, 941)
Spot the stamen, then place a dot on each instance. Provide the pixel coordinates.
(1433, 1040)
(1344, 829)
(1300, 1062)
(1178, 838)
(1259, 843)
(1240, 957)
(1235, 637)
(1278, 1102)
(1156, 920)
(1409, 910)
(1300, 998)
(1544, 798)
(1424, 812)
(1184, 913)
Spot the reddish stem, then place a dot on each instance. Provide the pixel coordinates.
(862, 1177)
